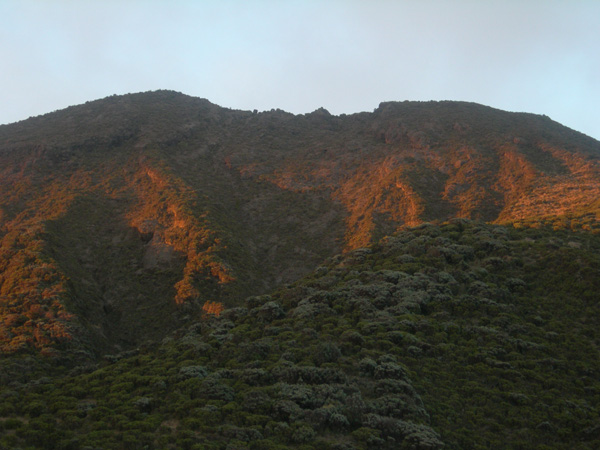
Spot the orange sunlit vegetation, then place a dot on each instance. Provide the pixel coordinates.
(169, 206)
(215, 193)
(33, 288)
(32, 292)
(213, 308)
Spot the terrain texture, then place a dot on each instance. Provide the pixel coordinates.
(174, 274)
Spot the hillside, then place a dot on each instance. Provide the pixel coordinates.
(462, 335)
(177, 275)
(122, 218)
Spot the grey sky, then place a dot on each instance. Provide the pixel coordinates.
(540, 56)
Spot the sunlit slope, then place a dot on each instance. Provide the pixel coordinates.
(122, 217)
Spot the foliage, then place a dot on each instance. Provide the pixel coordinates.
(133, 228)
(487, 341)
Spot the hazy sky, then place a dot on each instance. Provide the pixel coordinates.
(540, 56)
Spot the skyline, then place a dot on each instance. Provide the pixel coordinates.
(538, 56)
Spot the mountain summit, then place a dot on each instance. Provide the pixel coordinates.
(122, 218)
(176, 275)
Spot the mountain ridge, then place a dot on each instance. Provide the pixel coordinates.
(228, 203)
(178, 275)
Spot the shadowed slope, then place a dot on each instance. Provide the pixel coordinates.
(148, 206)
(458, 336)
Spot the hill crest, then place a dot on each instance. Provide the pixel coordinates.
(143, 208)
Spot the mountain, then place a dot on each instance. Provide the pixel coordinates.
(459, 335)
(174, 274)
(122, 217)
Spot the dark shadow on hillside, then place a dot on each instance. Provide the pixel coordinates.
(120, 289)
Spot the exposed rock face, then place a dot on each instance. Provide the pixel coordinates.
(150, 205)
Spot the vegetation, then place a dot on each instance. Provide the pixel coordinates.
(178, 275)
(463, 335)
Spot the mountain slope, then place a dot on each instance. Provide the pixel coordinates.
(122, 218)
(462, 335)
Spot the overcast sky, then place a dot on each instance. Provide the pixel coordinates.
(539, 56)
